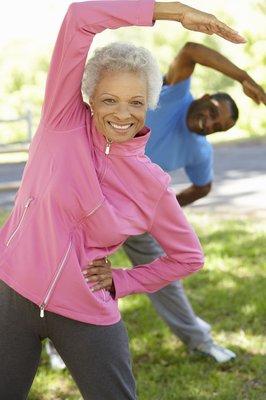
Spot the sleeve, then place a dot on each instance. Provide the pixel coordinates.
(183, 253)
(174, 94)
(63, 104)
(202, 173)
(178, 91)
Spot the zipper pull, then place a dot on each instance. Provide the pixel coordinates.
(28, 202)
(108, 146)
(42, 311)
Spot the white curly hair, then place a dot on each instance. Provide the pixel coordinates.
(120, 56)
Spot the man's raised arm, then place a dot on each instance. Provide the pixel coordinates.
(191, 54)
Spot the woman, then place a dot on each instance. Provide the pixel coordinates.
(87, 187)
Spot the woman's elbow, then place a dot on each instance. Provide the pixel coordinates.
(190, 263)
(197, 262)
(196, 266)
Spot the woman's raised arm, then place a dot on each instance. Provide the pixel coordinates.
(63, 108)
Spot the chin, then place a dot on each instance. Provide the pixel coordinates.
(201, 133)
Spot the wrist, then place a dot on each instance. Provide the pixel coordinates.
(243, 76)
(173, 11)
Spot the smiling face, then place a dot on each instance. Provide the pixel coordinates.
(119, 105)
(207, 115)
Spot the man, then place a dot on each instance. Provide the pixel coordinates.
(179, 127)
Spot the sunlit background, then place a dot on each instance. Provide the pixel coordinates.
(28, 30)
(230, 291)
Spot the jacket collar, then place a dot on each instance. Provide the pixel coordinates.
(135, 146)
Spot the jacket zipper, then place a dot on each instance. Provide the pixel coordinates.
(108, 146)
(103, 170)
(106, 152)
(54, 281)
(59, 270)
(104, 295)
(95, 209)
(20, 221)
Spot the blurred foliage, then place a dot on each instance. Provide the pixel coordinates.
(23, 68)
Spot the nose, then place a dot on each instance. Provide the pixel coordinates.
(208, 124)
(122, 111)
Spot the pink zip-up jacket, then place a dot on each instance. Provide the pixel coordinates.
(76, 203)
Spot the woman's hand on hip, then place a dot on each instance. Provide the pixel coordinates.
(100, 272)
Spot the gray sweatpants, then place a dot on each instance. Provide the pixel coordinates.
(170, 302)
(97, 356)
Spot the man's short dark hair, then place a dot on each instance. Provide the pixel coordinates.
(221, 96)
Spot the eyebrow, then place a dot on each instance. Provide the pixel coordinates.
(216, 105)
(113, 95)
(110, 94)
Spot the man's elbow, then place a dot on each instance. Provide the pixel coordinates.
(203, 191)
(189, 47)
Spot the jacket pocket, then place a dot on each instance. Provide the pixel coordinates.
(20, 222)
(103, 294)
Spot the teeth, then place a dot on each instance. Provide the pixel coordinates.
(121, 127)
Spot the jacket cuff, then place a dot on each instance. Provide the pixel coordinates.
(120, 283)
(145, 12)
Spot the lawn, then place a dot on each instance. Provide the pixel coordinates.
(229, 293)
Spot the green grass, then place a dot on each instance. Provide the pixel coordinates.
(229, 293)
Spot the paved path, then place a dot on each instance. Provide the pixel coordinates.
(240, 180)
(239, 185)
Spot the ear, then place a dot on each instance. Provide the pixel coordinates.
(91, 103)
(206, 96)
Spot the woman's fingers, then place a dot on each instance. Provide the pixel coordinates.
(97, 274)
(105, 284)
(99, 271)
(101, 262)
(226, 32)
(199, 21)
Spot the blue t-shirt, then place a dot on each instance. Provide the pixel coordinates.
(172, 145)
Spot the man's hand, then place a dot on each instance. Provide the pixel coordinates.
(100, 272)
(253, 90)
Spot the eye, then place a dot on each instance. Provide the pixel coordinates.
(214, 112)
(109, 101)
(137, 103)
